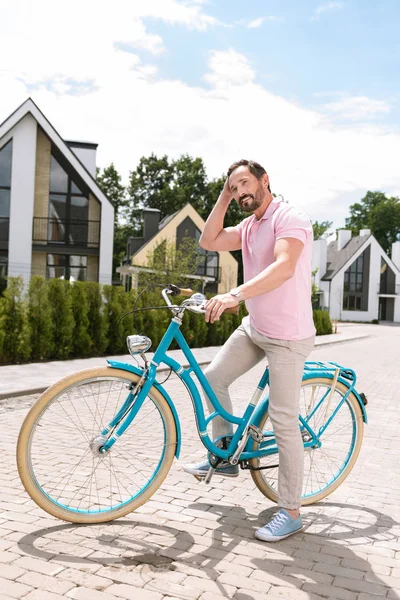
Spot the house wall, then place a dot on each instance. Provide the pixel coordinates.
(92, 268)
(336, 297)
(228, 264)
(42, 175)
(22, 197)
(39, 263)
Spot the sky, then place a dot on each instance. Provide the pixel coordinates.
(309, 89)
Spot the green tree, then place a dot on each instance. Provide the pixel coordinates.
(321, 229)
(14, 327)
(385, 223)
(110, 182)
(378, 213)
(98, 325)
(115, 306)
(171, 264)
(40, 319)
(81, 342)
(59, 293)
(151, 185)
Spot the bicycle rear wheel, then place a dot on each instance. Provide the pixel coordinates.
(325, 468)
(59, 466)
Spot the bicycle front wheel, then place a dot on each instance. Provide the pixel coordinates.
(325, 468)
(57, 459)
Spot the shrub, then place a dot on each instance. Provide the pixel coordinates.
(322, 322)
(81, 342)
(41, 325)
(14, 326)
(98, 325)
(59, 294)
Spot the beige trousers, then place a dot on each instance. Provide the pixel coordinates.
(242, 351)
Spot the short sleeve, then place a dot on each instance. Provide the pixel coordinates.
(239, 228)
(293, 224)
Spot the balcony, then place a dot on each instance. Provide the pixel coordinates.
(66, 233)
(389, 290)
(214, 272)
(4, 229)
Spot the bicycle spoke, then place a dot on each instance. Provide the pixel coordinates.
(71, 473)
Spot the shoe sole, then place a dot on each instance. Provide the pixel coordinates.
(203, 474)
(275, 538)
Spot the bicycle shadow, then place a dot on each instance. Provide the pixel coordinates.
(152, 550)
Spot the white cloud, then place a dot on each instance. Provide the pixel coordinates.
(256, 23)
(90, 90)
(357, 108)
(229, 69)
(328, 7)
(139, 39)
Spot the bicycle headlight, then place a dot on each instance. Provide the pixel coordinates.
(137, 344)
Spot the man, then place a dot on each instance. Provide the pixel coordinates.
(276, 243)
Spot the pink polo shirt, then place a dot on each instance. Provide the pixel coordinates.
(286, 312)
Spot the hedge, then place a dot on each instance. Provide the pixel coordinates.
(57, 320)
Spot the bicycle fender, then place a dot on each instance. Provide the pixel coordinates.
(132, 369)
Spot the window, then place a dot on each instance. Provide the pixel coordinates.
(68, 208)
(353, 285)
(5, 190)
(66, 266)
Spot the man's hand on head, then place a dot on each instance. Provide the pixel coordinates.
(226, 191)
(216, 306)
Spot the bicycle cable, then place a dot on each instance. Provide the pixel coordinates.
(135, 310)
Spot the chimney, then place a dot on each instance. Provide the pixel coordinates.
(86, 152)
(151, 220)
(319, 259)
(396, 254)
(365, 232)
(344, 236)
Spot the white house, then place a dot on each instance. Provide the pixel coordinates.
(358, 280)
(54, 219)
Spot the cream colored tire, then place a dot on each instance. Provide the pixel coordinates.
(270, 490)
(37, 411)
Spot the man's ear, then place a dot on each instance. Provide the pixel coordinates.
(265, 180)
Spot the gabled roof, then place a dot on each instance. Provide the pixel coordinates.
(29, 107)
(336, 259)
(178, 216)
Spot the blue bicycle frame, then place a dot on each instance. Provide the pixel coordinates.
(251, 416)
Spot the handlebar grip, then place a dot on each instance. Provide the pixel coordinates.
(185, 291)
(232, 311)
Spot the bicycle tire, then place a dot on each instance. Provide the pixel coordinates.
(267, 480)
(37, 426)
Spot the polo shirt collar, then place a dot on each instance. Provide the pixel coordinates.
(271, 208)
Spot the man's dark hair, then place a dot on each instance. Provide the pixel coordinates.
(254, 167)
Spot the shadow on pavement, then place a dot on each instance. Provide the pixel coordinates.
(309, 560)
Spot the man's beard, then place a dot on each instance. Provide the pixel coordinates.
(254, 200)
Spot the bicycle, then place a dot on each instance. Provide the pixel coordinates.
(99, 443)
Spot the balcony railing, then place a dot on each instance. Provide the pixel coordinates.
(4, 229)
(214, 272)
(66, 232)
(390, 289)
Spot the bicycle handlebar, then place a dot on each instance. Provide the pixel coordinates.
(177, 291)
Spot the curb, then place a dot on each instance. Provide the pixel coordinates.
(39, 390)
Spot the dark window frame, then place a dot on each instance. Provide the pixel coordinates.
(354, 288)
(67, 267)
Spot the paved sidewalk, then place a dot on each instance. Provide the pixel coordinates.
(18, 380)
(196, 542)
